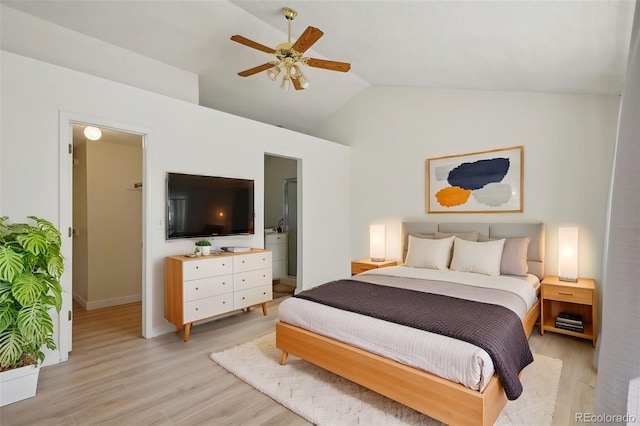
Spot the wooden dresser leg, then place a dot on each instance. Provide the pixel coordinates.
(187, 331)
(264, 309)
(283, 358)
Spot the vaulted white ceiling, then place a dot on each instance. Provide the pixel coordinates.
(542, 46)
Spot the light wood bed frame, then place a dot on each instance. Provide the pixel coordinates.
(441, 399)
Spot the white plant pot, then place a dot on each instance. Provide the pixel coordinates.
(206, 250)
(18, 384)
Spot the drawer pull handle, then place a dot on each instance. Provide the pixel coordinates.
(223, 302)
(565, 293)
(197, 289)
(197, 267)
(243, 298)
(243, 261)
(197, 309)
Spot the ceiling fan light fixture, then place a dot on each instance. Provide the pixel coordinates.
(304, 82)
(295, 71)
(273, 72)
(290, 55)
(286, 82)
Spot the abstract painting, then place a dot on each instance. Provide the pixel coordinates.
(479, 182)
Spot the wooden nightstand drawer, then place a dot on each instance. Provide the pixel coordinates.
(564, 294)
(356, 267)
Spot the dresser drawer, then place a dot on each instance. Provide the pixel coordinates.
(202, 268)
(207, 287)
(252, 296)
(564, 294)
(207, 307)
(250, 279)
(273, 239)
(250, 262)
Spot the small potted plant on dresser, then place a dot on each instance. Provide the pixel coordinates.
(204, 247)
(30, 269)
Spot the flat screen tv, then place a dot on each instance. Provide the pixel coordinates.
(208, 206)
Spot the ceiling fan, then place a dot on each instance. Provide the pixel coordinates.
(289, 55)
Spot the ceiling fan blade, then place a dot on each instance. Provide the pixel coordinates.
(329, 65)
(255, 70)
(307, 39)
(251, 43)
(296, 84)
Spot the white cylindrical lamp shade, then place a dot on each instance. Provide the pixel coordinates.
(568, 254)
(377, 245)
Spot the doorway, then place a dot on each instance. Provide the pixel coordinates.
(282, 217)
(107, 221)
(290, 226)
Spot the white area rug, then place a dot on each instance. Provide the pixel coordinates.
(323, 398)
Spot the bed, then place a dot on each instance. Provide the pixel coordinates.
(382, 356)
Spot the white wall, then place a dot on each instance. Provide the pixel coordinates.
(61, 46)
(182, 137)
(568, 151)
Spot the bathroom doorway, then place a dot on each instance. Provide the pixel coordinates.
(281, 220)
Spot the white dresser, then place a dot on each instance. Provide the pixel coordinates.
(202, 287)
(277, 244)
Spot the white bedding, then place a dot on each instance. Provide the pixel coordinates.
(446, 357)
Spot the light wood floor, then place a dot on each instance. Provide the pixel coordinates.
(116, 377)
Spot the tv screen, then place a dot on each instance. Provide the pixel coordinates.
(208, 206)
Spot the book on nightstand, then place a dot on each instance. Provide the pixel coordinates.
(569, 321)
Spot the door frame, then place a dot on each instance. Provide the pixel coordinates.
(65, 137)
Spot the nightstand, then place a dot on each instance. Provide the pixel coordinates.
(574, 298)
(358, 266)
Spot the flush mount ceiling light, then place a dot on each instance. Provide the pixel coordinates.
(289, 55)
(92, 133)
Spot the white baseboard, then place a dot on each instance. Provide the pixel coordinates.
(80, 300)
(112, 302)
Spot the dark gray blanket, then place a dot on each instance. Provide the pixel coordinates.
(493, 328)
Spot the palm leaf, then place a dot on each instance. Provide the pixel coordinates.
(28, 289)
(35, 324)
(8, 315)
(49, 229)
(54, 293)
(6, 297)
(11, 348)
(35, 242)
(11, 263)
(55, 266)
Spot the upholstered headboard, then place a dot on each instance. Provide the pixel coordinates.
(535, 231)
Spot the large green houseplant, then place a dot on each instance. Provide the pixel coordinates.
(30, 269)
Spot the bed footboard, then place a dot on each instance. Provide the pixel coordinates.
(449, 402)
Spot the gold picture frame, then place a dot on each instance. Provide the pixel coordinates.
(478, 182)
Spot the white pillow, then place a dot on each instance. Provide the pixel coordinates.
(514, 256)
(482, 258)
(427, 253)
